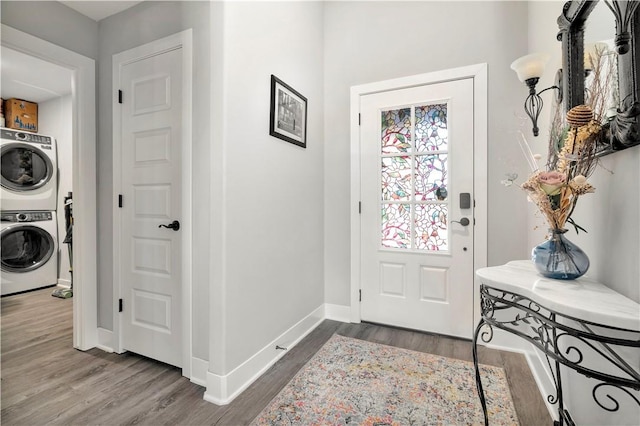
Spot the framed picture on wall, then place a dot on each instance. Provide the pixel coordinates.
(288, 118)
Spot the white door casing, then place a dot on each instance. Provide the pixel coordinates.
(417, 272)
(152, 163)
(477, 74)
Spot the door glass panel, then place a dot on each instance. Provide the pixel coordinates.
(23, 168)
(431, 128)
(25, 249)
(396, 225)
(431, 177)
(431, 227)
(414, 185)
(396, 131)
(396, 178)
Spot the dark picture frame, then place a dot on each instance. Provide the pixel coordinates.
(288, 117)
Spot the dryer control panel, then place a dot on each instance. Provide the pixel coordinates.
(26, 216)
(17, 136)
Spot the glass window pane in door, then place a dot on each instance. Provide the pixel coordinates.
(396, 226)
(396, 131)
(396, 178)
(431, 227)
(431, 177)
(431, 128)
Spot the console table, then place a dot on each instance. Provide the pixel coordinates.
(581, 324)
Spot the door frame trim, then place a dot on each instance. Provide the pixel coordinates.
(182, 40)
(479, 74)
(83, 117)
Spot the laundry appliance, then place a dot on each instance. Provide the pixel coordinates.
(29, 171)
(29, 250)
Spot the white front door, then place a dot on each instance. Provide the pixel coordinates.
(150, 253)
(416, 180)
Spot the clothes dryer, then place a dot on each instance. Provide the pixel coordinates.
(29, 171)
(29, 250)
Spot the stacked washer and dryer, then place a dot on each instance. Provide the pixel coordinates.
(28, 202)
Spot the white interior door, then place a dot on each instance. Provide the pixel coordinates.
(150, 254)
(416, 167)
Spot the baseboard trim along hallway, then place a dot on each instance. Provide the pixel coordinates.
(222, 389)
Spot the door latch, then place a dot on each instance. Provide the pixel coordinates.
(175, 225)
(464, 221)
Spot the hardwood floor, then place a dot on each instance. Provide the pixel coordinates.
(46, 381)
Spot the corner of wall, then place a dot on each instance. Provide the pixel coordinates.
(222, 389)
(340, 313)
(105, 340)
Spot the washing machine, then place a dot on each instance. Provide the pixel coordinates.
(29, 169)
(29, 250)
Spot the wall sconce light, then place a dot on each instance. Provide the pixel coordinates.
(529, 69)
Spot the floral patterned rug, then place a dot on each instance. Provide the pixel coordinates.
(355, 382)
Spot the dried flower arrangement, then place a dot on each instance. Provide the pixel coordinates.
(556, 190)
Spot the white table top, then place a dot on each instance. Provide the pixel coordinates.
(584, 298)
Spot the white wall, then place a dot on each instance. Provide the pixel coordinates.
(54, 22)
(372, 41)
(141, 24)
(267, 237)
(55, 119)
(610, 215)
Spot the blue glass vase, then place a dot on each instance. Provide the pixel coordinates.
(559, 258)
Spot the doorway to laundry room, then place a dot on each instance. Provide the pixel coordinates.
(49, 97)
(36, 173)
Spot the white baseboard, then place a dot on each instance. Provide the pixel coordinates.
(105, 340)
(199, 369)
(340, 313)
(536, 365)
(543, 380)
(221, 390)
(64, 283)
(198, 366)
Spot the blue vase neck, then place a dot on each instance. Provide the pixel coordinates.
(557, 231)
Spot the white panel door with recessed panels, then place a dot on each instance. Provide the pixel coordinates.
(416, 164)
(151, 160)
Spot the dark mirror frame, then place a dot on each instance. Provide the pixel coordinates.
(623, 131)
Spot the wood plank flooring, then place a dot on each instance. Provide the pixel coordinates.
(46, 381)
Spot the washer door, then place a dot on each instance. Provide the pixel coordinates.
(25, 248)
(24, 167)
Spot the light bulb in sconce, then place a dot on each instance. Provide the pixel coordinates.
(529, 69)
(591, 52)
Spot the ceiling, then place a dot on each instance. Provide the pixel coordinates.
(99, 9)
(32, 79)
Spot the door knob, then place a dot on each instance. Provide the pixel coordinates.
(464, 221)
(175, 225)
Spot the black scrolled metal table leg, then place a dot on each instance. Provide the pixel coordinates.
(476, 365)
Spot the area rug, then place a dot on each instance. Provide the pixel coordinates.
(355, 382)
